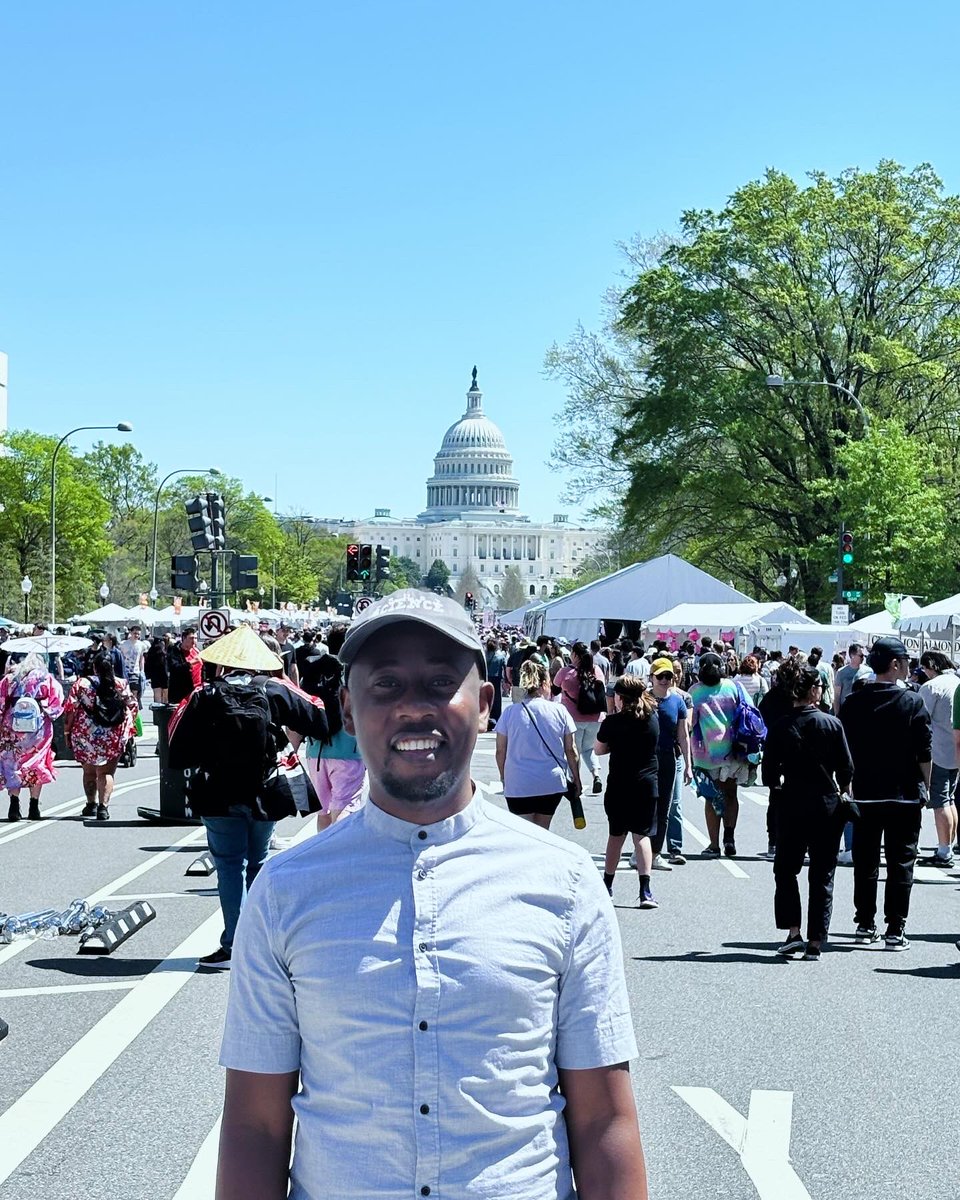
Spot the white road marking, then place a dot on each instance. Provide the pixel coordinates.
(50, 816)
(201, 1179)
(40, 1109)
(62, 989)
(133, 897)
(698, 837)
(755, 797)
(108, 891)
(762, 1140)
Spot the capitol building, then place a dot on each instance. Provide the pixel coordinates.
(473, 519)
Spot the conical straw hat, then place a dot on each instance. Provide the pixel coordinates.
(243, 650)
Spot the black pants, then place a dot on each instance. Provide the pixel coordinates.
(497, 706)
(666, 775)
(806, 826)
(772, 802)
(898, 825)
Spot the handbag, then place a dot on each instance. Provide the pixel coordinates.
(288, 790)
(573, 790)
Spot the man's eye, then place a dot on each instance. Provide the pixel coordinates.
(444, 681)
(385, 683)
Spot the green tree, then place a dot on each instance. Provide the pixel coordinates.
(469, 581)
(854, 281)
(438, 576)
(513, 593)
(404, 572)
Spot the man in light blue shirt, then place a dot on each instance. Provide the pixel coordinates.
(433, 986)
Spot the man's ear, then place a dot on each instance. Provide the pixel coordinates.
(486, 703)
(347, 708)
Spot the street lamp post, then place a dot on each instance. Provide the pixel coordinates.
(273, 600)
(104, 591)
(26, 586)
(778, 381)
(121, 427)
(156, 514)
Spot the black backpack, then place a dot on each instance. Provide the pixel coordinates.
(237, 744)
(108, 712)
(593, 698)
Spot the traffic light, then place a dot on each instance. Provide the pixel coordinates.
(383, 563)
(468, 601)
(353, 563)
(206, 520)
(365, 563)
(243, 573)
(846, 548)
(183, 573)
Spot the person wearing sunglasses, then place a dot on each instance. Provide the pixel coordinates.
(673, 757)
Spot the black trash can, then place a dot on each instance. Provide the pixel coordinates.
(173, 792)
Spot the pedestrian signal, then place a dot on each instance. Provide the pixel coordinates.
(383, 563)
(183, 573)
(244, 576)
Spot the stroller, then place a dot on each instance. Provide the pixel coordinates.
(129, 756)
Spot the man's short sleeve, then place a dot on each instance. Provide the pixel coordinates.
(261, 1033)
(956, 709)
(594, 1025)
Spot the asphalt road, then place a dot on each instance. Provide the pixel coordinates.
(756, 1077)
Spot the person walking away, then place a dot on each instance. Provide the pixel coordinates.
(155, 666)
(714, 757)
(184, 666)
(536, 749)
(777, 702)
(637, 665)
(112, 647)
(288, 653)
(582, 693)
(807, 759)
(437, 942)
(224, 734)
(888, 731)
(100, 715)
(31, 699)
(496, 664)
(815, 660)
(515, 659)
(630, 737)
(132, 653)
(333, 762)
(673, 759)
(751, 680)
(939, 696)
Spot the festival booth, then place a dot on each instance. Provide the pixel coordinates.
(935, 627)
(107, 617)
(621, 603)
(881, 624)
(735, 623)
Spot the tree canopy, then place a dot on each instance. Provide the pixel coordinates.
(853, 282)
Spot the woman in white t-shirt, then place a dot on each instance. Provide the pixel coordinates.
(536, 749)
(750, 679)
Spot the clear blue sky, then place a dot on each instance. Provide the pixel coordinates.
(277, 237)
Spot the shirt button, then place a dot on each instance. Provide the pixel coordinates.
(421, 874)
(422, 835)
(424, 1108)
(424, 1191)
(423, 1026)
(422, 947)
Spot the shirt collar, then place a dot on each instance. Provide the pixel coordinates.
(440, 832)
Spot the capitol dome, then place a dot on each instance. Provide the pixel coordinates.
(473, 471)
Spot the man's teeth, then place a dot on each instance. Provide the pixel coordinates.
(417, 744)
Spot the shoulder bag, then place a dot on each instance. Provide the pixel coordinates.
(573, 789)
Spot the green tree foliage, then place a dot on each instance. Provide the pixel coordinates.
(513, 594)
(438, 576)
(469, 581)
(853, 281)
(404, 572)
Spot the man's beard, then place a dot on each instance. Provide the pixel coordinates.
(419, 791)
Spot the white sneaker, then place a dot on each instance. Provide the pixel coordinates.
(660, 863)
(845, 858)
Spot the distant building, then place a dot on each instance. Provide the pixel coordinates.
(472, 517)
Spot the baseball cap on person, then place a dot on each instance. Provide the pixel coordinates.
(884, 650)
(410, 604)
(661, 666)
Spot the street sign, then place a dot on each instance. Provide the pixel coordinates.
(840, 614)
(853, 595)
(361, 604)
(832, 577)
(214, 623)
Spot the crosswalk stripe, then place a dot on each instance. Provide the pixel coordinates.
(63, 989)
(69, 808)
(202, 1177)
(698, 837)
(40, 1109)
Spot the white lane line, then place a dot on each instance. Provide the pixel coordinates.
(201, 1179)
(107, 892)
(133, 897)
(50, 816)
(62, 989)
(698, 837)
(762, 1140)
(755, 797)
(40, 1109)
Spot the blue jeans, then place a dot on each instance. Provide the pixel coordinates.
(238, 845)
(675, 815)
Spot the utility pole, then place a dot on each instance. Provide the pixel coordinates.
(839, 596)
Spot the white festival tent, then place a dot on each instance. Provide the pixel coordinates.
(882, 624)
(625, 600)
(733, 622)
(935, 627)
(109, 614)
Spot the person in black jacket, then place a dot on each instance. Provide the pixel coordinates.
(888, 730)
(777, 702)
(806, 757)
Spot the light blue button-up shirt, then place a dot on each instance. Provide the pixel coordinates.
(428, 981)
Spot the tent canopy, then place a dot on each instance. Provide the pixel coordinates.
(717, 619)
(941, 617)
(634, 594)
(109, 614)
(881, 624)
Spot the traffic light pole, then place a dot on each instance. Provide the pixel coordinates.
(839, 597)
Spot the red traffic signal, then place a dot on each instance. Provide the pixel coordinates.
(353, 563)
